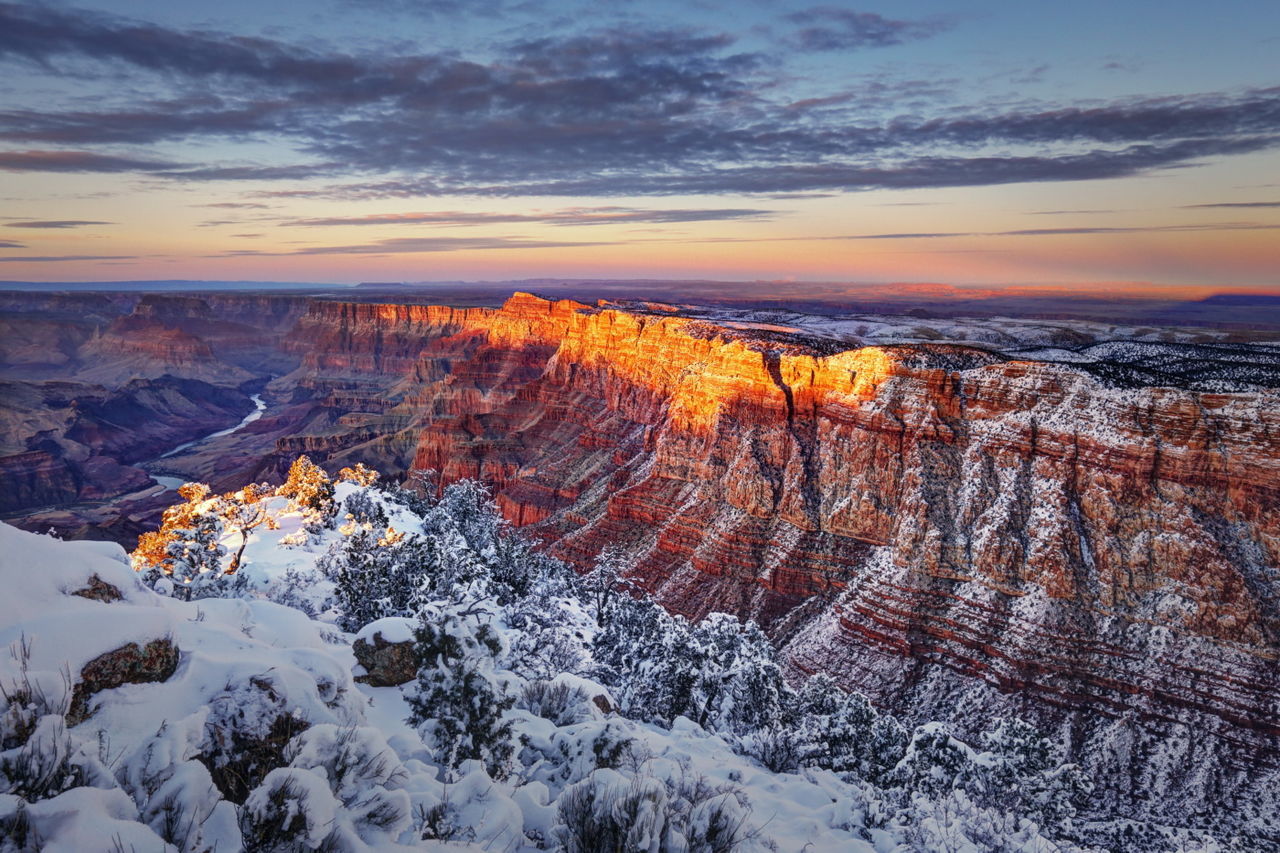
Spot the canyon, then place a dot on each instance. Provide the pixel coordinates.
(1067, 523)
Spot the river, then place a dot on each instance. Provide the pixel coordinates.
(259, 408)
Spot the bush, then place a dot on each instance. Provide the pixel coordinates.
(606, 812)
(457, 702)
(561, 703)
(291, 809)
(310, 490)
(362, 771)
(377, 574)
(246, 733)
(363, 509)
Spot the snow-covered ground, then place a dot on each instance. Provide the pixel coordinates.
(261, 738)
(1188, 357)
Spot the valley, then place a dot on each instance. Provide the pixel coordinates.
(1075, 522)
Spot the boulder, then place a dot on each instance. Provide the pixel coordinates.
(129, 664)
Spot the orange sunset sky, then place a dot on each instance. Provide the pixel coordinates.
(981, 144)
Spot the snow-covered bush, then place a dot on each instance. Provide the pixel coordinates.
(291, 809)
(458, 702)
(379, 573)
(248, 727)
(607, 811)
(558, 701)
(310, 491)
(363, 772)
(363, 509)
(675, 813)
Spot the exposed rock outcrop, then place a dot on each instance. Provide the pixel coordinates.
(385, 664)
(129, 664)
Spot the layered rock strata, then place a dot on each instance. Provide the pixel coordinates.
(945, 529)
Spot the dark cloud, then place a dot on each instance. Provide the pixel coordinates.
(1237, 204)
(51, 259)
(572, 216)
(603, 113)
(417, 245)
(56, 223)
(77, 161)
(9, 244)
(824, 28)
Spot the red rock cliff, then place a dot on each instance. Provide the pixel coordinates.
(921, 522)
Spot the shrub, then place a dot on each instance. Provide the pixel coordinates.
(457, 702)
(561, 703)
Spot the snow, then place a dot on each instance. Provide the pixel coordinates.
(394, 629)
(354, 773)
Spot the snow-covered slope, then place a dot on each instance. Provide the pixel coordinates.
(137, 720)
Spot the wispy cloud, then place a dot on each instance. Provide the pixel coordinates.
(1058, 232)
(571, 216)
(236, 205)
(1236, 204)
(825, 28)
(418, 245)
(9, 244)
(56, 223)
(51, 259)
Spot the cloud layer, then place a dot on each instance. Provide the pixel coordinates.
(600, 113)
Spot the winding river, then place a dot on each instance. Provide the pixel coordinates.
(259, 408)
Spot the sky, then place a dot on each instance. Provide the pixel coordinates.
(1109, 146)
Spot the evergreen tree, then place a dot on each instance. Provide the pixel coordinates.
(242, 512)
(152, 551)
(310, 491)
(457, 701)
(378, 573)
(1027, 775)
(186, 551)
(645, 653)
(358, 474)
(195, 557)
(607, 580)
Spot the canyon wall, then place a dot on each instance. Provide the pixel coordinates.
(950, 531)
(955, 532)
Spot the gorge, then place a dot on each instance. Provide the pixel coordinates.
(1059, 522)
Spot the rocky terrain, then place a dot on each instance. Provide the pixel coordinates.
(956, 518)
(95, 385)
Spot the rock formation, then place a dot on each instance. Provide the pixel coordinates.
(954, 531)
(947, 529)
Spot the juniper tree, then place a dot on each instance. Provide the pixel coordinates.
(309, 490)
(242, 512)
(607, 580)
(377, 573)
(358, 474)
(152, 551)
(457, 701)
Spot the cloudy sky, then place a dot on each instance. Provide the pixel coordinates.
(1117, 144)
